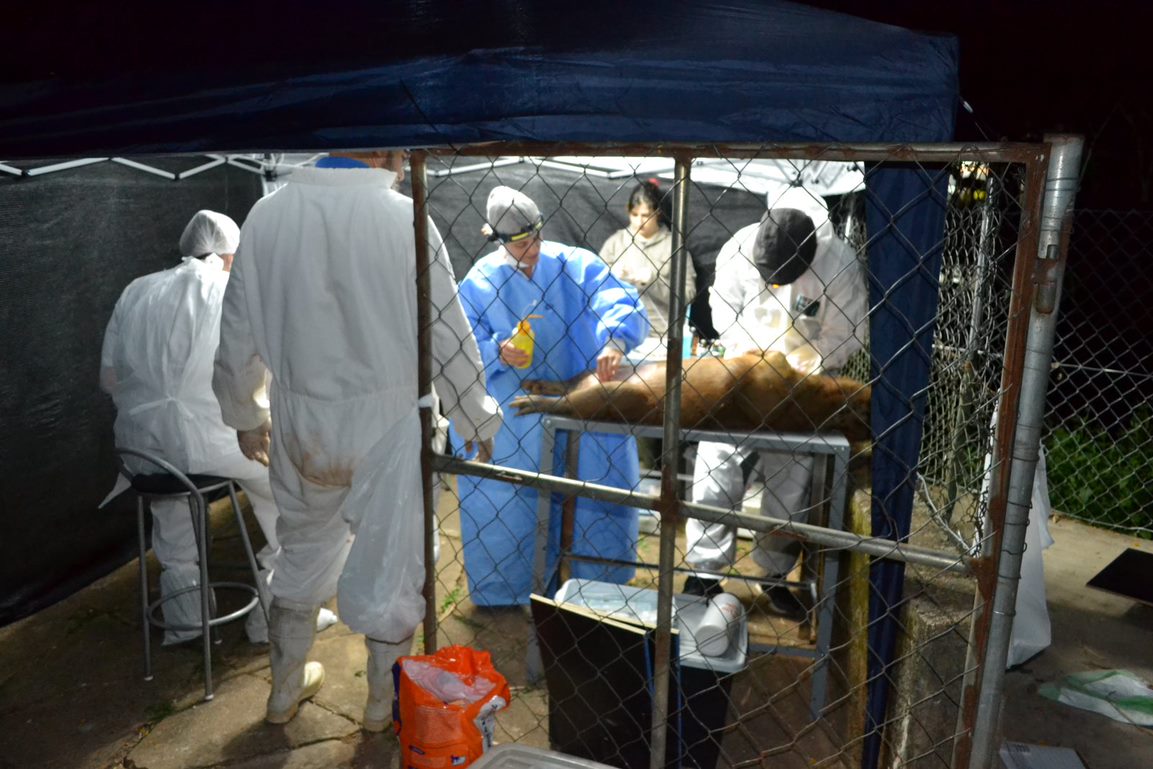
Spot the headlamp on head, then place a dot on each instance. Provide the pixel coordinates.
(511, 216)
(522, 234)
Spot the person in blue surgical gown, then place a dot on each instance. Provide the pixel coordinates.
(583, 319)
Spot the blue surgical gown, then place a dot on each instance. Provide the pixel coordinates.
(582, 306)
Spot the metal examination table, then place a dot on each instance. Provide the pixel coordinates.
(828, 500)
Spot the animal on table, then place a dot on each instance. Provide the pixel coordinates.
(749, 393)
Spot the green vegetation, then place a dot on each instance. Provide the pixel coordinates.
(449, 602)
(1103, 480)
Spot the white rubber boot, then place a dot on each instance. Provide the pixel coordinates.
(294, 679)
(381, 657)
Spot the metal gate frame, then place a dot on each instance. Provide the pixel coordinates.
(1051, 176)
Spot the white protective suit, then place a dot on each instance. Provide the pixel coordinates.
(323, 294)
(752, 316)
(156, 364)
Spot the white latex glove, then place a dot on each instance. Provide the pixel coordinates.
(256, 443)
(609, 363)
(483, 449)
(804, 359)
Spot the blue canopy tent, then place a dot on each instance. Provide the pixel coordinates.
(121, 80)
(226, 77)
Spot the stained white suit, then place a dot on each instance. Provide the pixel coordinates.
(323, 295)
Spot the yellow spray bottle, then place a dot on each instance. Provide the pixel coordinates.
(524, 339)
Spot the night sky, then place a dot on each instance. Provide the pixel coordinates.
(1028, 68)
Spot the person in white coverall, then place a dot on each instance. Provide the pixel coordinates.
(157, 366)
(323, 296)
(787, 284)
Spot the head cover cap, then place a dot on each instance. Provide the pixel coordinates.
(209, 233)
(511, 215)
(785, 246)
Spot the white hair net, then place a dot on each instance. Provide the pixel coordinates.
(510, 212)
(209, 233)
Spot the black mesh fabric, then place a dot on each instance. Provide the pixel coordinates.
(584, 211)
(73, 240)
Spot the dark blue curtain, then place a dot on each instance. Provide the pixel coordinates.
(905, 210)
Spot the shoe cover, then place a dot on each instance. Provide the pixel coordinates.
(183, 609)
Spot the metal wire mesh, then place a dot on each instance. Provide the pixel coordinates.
(1099, 433)
(797, 674)
(969, 347)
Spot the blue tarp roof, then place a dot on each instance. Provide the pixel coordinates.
(121, 79)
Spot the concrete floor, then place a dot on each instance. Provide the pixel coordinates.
(71, 693)
(1092, 630)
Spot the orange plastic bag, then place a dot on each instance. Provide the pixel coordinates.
(444, 707)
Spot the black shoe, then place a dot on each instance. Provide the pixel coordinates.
(783, 602)
(702, 586)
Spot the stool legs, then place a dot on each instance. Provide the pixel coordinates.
(144, 623)
(198, 509)
(200, 526)
(248, 551)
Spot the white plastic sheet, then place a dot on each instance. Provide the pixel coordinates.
(1118, 694)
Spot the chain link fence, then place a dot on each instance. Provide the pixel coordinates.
(1098, 430)
(1099, 423)
(686, 557)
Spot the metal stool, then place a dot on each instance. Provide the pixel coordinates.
(166, 485)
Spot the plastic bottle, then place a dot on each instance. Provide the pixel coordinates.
(713, 637)
(524, 339)
(688, 345)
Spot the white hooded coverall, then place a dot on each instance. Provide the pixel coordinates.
(753, 317)
(156, 364)
(323, 293)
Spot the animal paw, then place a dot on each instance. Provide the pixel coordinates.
(543, 387)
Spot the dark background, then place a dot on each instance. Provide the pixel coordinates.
(1030, 68)
(73, 240)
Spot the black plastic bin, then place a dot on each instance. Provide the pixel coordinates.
(597, 647)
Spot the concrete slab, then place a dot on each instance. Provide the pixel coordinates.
(1092, 630)
(232, 728)
(329, 754)
(71, 693)
(345, 659)
(83, 727)
(525, 720)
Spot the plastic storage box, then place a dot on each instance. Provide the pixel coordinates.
(639, 605)
(515, 756)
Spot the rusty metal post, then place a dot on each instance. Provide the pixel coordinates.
(670, 505)
(1010, 388)
(1049, 267)
(568, 507)
(424, 386)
